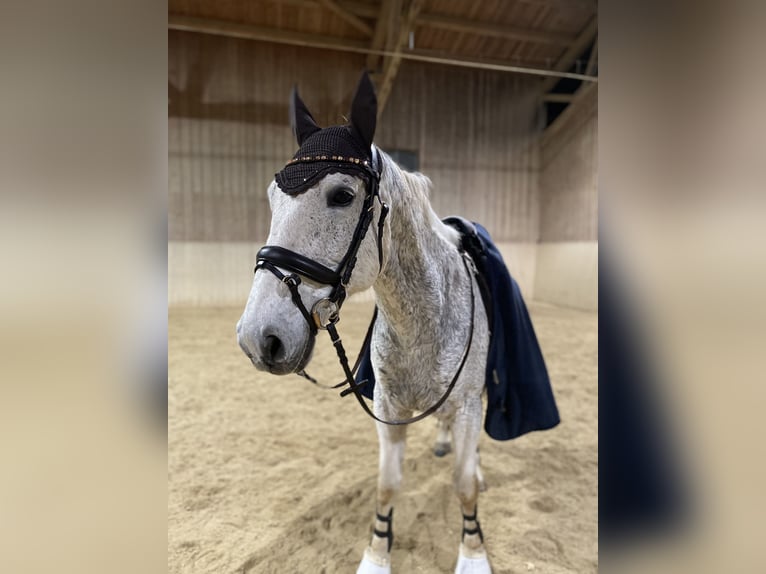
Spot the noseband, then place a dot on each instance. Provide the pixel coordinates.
(325, 313)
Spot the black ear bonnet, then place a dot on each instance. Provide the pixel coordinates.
(331, 150)
(337, 149)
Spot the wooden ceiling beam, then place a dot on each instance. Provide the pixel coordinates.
(441, 22)
(250, 32)
(438, 57)
(392, 64)
(353, 12)
(585, 99)
(593, 60)
(370, 10)
(438, 21)
(493, 30)
(381, 33)
(575, 50)
(361, 9)
(346, 16)
(581, 4)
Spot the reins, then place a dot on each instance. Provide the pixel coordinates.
(353, 387)
(325, 313)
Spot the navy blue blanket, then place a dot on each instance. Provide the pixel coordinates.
(519, 394)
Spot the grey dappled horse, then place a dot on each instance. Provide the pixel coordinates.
(429, 328)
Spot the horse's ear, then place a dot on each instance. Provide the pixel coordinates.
(300, 118)
(364, 110)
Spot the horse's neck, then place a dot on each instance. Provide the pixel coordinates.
(411, 291)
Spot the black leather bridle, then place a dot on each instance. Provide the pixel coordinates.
(325, 313)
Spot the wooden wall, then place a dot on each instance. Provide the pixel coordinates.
(566, 270)
(228, 137)
(474, 132)
(569, 181)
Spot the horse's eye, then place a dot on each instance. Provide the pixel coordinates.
(340, 197)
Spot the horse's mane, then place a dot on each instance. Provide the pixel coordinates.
(411, 192)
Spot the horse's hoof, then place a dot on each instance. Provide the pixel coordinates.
(367, 566)
(442, 449)
(478, 565)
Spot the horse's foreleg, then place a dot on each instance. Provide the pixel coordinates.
(443, 444)
(377, 556)
(479, 474)
(466, 431)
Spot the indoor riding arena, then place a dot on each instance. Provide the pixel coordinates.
(494, 101)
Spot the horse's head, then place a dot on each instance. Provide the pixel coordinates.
(319, 203)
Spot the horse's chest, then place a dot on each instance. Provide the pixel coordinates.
(413, 377)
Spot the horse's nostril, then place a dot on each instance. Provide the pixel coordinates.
(274, 349)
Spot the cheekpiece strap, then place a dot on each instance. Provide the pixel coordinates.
(292, 281)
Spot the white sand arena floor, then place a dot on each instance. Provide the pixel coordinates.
(271, 474)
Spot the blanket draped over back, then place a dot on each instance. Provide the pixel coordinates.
(519, 394)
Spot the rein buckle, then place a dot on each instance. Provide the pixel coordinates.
(325, 313)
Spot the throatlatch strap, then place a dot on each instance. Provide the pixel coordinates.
(389, 533)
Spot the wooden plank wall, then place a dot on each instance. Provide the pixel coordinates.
(569, 182)
(228, 137)
(475, 133)
(566, 269)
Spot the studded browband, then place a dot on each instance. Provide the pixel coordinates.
(338, 158)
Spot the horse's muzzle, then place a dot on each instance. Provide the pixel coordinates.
(268, 351)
